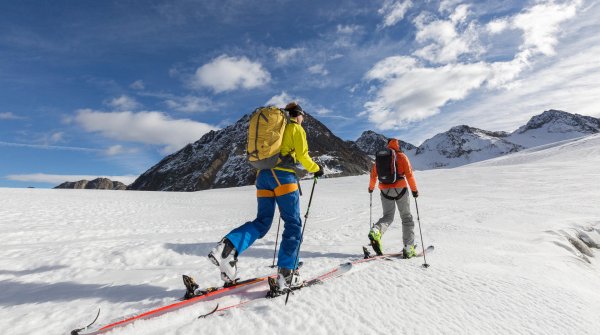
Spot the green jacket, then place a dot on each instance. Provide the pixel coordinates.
(294, 149)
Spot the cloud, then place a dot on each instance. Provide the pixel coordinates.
(48, 147)
(411, 92)
(190, 104)
(119, 150)
(59, 179)
(348, 29)
(138, 85)
(447, 40)
(541, 23)
(154, 128)
(284, 56)
(497, 26)
(124, 103)
(56, 137)
(280, 100)
(226, 73)
(393, 11)
(10, 116)
(318, 69)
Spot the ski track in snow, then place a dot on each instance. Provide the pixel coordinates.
(502, 263)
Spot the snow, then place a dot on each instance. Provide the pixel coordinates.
(506, 260)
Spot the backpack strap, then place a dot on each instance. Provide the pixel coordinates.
(400, 194)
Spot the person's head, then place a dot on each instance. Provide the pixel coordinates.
(295, 111)
(393, 144)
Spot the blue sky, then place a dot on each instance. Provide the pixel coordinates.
(108, 88)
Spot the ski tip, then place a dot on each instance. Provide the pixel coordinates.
(78, 330)
(209, 313)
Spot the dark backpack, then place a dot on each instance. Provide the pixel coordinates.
(385, 162)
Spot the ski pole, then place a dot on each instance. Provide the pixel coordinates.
(371, 210)
(425, 265)
(276, 240)
(301, 238)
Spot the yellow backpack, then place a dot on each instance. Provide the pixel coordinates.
(265, 134)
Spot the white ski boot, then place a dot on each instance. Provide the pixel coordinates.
(224, 256)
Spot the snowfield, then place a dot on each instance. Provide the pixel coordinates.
(516, 243)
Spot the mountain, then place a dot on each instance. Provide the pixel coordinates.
(464, 144)
(553, 126)
(370, 142)
(218, 160)
(96, 184)
(461, 145)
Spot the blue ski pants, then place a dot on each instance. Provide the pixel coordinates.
(273, 187)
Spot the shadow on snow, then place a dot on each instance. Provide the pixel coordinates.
(202, 250)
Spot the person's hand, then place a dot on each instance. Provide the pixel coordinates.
(415, 194)
(370, 190)
(319, 173)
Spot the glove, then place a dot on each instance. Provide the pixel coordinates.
(370, 191)
(415, 194)
(319, 173)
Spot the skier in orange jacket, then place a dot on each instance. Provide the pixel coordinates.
(394, 195)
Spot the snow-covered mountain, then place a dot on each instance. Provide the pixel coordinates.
(553, 126)
(463, 145)
(219, 160)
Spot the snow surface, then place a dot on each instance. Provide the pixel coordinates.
(508, 259)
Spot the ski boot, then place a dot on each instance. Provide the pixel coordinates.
(224, 256)
(284, 282)
(375, 238)
(409, 251)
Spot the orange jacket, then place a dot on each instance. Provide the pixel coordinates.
(403, 167)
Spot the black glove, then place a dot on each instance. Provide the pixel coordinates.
(415, 194)
(370, 190)
(319, 173)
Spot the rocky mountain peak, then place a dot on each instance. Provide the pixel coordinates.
(96, 184)
(558, 121)
(370, 142)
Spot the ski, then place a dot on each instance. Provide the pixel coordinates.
(368, 257)
(211, 293)
(335, 272)
(265, 290)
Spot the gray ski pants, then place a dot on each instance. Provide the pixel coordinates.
(389, 208)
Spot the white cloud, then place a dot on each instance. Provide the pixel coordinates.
(497, 26)
(318, 69)
(124, 103)
(56, 137)
(59, 179)
(447, 40)
(280, 100)
(448, 5)
(190, 104)
(541, 24)
(138, 85)
(393, 11)
(284, 56)
(143, 127)
(226, 73)
(9, 116)
(348, 29)
(414, 92)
